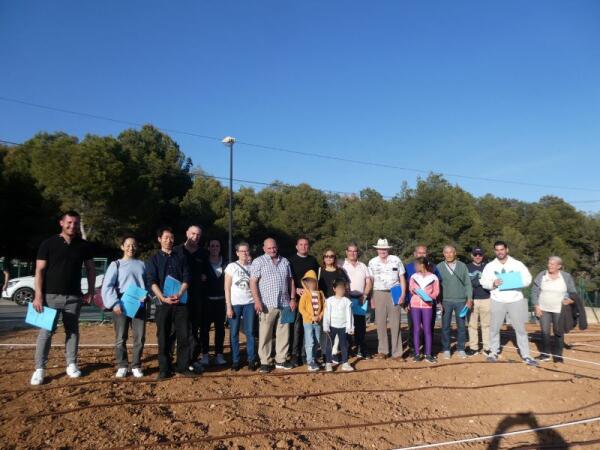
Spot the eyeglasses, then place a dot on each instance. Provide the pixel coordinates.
(329, 256)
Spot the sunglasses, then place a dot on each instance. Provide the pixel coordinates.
(329, 256)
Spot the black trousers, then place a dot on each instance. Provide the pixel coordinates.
(168, 317)
(194, 306)
(297, 338)
(360, 331)
(213, 311)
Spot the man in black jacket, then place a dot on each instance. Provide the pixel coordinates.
(170, 311)
(301, 263)
(481, 305)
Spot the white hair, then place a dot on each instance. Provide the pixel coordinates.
(556, 259)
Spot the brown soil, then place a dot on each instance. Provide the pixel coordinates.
(384, 404)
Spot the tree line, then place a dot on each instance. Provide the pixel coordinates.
(141, 180)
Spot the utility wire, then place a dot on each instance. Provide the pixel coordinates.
(302, 153)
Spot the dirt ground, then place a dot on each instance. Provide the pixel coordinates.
(383, 404)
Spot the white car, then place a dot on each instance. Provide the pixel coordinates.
(21, 290)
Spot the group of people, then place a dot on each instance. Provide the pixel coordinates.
(297, 310)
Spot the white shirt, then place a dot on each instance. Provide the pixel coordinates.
(386, 274)
(338, 314)
(358, 275)
(490, 274)
(552, 293)
(240, 284)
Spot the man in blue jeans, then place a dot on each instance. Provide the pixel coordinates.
(456, 293)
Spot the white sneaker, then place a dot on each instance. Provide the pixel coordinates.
(346, 367)
(73, 371)
(121, 372)
(220, 360)
(204, 361)
(328, 367)
(38, 377)
(137, 372)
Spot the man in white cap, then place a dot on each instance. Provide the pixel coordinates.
(387, 270)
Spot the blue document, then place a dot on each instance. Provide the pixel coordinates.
(44, 320)
(464, 311)
(287, 315)
(172, 287)
(510, 280)
(357, 308)
(132, 300)
(421, 293)
(396, 292)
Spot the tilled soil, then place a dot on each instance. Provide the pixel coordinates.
(383, 404)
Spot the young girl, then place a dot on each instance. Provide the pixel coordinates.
(422, 308)
(337, 321)
(311, 308)
(120, 274)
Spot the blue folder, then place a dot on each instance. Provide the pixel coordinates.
(396, 292)
(172, 287)
(287, 315)
(357, 308)
(510, 281)
(421, 293)
(464, 311)
(44, 320)
(132, 299)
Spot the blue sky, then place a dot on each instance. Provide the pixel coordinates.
(506, 90)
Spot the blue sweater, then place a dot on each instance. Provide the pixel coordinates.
(130, 271)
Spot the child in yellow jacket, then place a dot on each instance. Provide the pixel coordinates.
(311, 308)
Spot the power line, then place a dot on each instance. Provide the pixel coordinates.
(302, 153)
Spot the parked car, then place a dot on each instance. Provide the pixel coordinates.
(21, 290)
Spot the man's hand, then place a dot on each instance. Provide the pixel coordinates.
(469, 304)
(293, 304)
(258, 307)
(38, 303)
(567, 301)
(299, 292)
(88, 298)
(497, 282)
(117, 310)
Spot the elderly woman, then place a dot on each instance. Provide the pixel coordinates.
(552, 290)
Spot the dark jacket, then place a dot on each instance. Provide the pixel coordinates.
(160, 265)
(215, 285)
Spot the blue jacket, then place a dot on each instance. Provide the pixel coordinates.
(160, 265)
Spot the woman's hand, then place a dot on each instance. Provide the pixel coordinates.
(538, 311)
(568, 301)
(117, 310)
(229, 312)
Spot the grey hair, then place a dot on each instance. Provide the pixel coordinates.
(449, 246)
(557, 259)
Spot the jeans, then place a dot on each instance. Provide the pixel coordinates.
(121, 324)
(329, 337)
(453, 306)
(67, 306)
(213, 311)
(551, 319)
(248, 313)
(312, 336)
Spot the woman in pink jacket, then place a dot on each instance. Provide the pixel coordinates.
(424, 287)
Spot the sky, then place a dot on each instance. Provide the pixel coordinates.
(481, 90)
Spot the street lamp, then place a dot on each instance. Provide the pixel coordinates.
(229, 141)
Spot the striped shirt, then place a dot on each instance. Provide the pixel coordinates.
(273, 280)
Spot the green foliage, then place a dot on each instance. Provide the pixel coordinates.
(141, 180)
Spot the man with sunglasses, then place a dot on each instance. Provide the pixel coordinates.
(481, 305)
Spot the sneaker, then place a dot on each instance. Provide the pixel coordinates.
(204, 360)
(559, 359)
(137, 372)
(252, 365)
(313, 367)
(188, 373)
(73, 371)
(121, 372)
(335, 361)
(492, 357)
(285, 365)
(531, 362)
(470, 352)
(447, 354)
(264, 368)
(328, 367)
(38, 377)
(543, 357)
(486, 352)
(164, 375)
(220, 360)
(417, 358)
(359, 355)
(462, 354)
(431, 359)
(379, 356)
(197, 367)
(346, 367)
(235, 367)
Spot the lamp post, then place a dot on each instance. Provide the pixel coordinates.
(229, 141)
